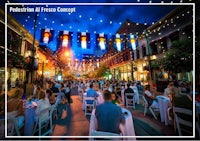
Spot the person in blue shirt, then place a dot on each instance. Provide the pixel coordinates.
(109, 115)
(91, 93)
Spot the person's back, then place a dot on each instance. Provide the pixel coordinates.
(128, 90)
(91, 93)
(54, 89)
(42, 104)
(109, 116)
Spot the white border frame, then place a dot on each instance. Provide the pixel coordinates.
(76, 4)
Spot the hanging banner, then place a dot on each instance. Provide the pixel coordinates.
(64, 39)
(46, 36)
(101, 41)
(118, 42)
(83, 40)
(133, 42)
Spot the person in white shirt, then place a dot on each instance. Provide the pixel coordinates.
(136, 96)
(150, 97)
(43, 103)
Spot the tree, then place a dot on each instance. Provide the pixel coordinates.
(197, 63)
(102, 71)
(180, 57)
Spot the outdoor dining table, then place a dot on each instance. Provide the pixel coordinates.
(127, 129)
(163, 103)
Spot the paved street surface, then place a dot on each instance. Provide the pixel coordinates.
(73, 121)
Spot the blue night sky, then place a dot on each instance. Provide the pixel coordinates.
(101, 18)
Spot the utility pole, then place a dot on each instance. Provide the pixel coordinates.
(33, 47)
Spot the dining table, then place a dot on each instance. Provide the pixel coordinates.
(163, 104)
(127, 129)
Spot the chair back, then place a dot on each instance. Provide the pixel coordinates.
(130, 102)
(89, 99)
(44, 114)
(183, 117)
(44, 118)
(129, 95)
(145, 101)
(89, 102)
(147, 106)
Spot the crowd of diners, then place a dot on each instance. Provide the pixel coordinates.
(49, 91)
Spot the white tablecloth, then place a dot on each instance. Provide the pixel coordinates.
(127, 128)
(122, 94)
(30, 117)
(29, 121)
(163, 103)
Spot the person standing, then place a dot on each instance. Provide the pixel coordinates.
(67, 93)
(9, 84)
(17, 82)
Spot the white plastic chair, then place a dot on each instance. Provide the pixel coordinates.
(151, 109)
(130, 101)
(87, 105)
(102, 133)
(180, 121)
(14, 125)
(43, 121)
(53, 110)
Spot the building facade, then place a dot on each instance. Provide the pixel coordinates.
(154, 41)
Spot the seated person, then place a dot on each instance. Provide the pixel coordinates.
(91, 93)
(61, 97)
(118, 90)
(51, 96)
(115, 99)
(182, 101)
(42, 104)
(128, 90)
(54, 88)
(152, 101)
(109, 116)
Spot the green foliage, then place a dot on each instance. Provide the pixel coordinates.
(180, 57)
(102, 71)
(197, 52)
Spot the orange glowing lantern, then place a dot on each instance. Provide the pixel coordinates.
(84, 42)
(65, 40)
